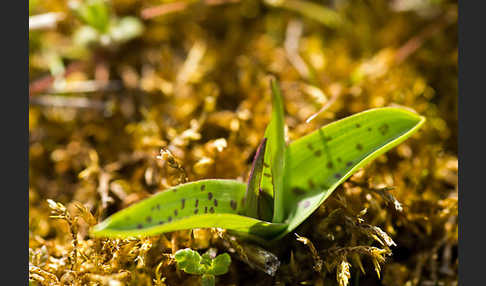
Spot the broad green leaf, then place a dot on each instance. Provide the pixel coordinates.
(318, 162)
(220, 264)
(200, 204)
(254, 180)
(272, 182)
(189, 261)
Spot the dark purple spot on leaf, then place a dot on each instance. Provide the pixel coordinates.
(139, 226)
(298, 191)
(215, 202)
(358, 125)
(175, 212)
(161, 222)
(183, 203)
(210, 196)
(318, 153)
(324, 187)
(205, 210)
(383, 129)
(311, 184)
(233, 204)
(211, 210)
(349, 164)
(330, 165)
(148, 219)
(169, 219)
(337, 176)
(309, 145)
(203, 187)
(195, 211)
(197, 203)
(359, 146)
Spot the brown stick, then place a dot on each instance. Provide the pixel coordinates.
(164, 9)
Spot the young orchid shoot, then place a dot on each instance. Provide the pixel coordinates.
(287, 183)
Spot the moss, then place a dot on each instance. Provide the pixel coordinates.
(195, 84)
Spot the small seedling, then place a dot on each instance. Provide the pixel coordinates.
(101, 26)
(206, 265)
(286, 184)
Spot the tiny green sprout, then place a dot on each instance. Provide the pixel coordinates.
(101, 25)
(206, 265)
(287, 182)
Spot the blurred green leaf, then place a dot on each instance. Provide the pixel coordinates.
(95, 13)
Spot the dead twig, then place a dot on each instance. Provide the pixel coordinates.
(317, 259)
(104, 188)
(72, 102)
(413, 44)
(292, 39)
(168, 8)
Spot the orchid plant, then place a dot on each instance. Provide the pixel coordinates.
(287, 182)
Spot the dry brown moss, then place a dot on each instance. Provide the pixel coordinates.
(196, 83)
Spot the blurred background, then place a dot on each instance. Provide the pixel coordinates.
(113, 82)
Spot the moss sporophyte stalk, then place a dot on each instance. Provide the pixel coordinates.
(287, 183)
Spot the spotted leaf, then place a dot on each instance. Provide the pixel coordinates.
(319, 162)
(200, 204)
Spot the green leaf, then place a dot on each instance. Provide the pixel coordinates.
(189, 261)
(95, 13)
(205, 203)
(272, 182)
(192, 262)
(254, 180)
(220, 264)
(319, 162)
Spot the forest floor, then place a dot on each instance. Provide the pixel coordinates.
(193, 77)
